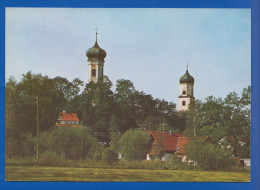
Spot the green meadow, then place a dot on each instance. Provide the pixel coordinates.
(45, 173)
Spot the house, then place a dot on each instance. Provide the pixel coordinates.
(67, 119)
(164, 145)
(184, 141)
(229, 143)
(182, 144)
(245, 162)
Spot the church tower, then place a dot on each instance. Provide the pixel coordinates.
(96, 56)
(186, 92)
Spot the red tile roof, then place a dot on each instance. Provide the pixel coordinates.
(69, 116)
(167, 140)
(182, 143)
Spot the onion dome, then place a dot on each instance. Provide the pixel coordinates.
(187, 78)
(96, 52)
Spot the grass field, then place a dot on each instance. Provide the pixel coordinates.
(43, 173)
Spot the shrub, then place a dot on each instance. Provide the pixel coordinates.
(28, 144)
(97, 156)
(176, 163)
(208, 156)
(74, 143)
(109, 155)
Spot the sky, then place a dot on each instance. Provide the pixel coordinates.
(150, 47)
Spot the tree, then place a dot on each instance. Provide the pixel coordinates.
(134, 145)
(98, 104)
(219, 118)
(125, 105)
(74, 143)
(12, 130)
(208, 156)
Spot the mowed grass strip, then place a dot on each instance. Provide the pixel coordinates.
(43, 173)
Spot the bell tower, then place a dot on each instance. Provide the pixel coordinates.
(186, 92)
(96, 56)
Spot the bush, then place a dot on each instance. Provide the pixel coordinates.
(109, 155)
(176, 163)
(208, 156)
(74, 143)
(49, 155)
(97, 156)
(134, 145)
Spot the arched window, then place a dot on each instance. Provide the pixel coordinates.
(183, 103)
(93, 72)
(183, 92)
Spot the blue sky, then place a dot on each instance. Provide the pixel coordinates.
(150, 47)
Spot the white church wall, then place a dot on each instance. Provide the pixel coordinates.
(180, 106)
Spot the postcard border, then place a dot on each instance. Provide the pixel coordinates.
(255, 70)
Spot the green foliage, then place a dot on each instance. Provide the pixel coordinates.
(48, 157)
(243, 151)
(109, 155)
(112, 114)
(54, 95)
(97, 156)
(67, 142)
(76, 143)
(208, 156)
(97, 102)
(176, 163)
(218, 118)
(134, 145)
(28, 144)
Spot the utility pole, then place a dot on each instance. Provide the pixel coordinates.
(194, 121)
(81, 147)
(37, 146)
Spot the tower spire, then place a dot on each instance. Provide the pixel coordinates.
(96, 33)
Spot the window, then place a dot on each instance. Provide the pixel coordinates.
(183, 103)
(93, 72)
(183, 92)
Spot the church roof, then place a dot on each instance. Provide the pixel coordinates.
(187, 78)
(96, 51)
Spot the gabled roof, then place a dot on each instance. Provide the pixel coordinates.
(165, 139)
(182, 143)
(69, 116)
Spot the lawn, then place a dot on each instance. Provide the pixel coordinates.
(43, 173)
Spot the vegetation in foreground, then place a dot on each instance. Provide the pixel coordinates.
(41, 173)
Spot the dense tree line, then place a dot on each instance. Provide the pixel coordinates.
(227, 121)
(107, 114)
(101, 110)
